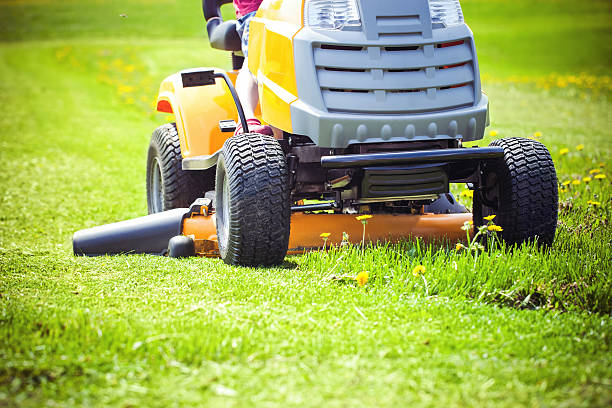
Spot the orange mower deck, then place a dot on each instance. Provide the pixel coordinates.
(306, 229)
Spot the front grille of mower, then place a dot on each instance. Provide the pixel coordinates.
(396, 79)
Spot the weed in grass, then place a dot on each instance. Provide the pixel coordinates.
(362, 278)
(325, 237)
(364, 220)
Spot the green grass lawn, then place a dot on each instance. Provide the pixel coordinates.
(521, 327)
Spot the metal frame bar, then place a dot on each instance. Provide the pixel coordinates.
(413, 157)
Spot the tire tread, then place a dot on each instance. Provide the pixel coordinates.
(528, 192)
(260, 206)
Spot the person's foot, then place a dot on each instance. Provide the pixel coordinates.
(255, 126)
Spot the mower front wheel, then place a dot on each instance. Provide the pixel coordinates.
(520, 189)
(252, 203)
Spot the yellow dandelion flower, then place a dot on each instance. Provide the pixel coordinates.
(129, 68)
(362, 278)
(364, 217)
(580, 147)
(601, 164)
(564, 151)
(489, 217)
(595, 171)
(493, 133)
(600, 176)
(459, 246)
(593, 203)
(567, 183)
(586, 179)
(325, 234)
(537, 134)
(417, 270)
(495, 228)
(575, 182)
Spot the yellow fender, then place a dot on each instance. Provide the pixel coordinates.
(197, 112)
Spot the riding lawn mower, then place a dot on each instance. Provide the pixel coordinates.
(370, 102)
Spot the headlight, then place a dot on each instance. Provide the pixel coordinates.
(331, 14)
(447, 12)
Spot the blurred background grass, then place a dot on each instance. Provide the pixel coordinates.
(514, 38)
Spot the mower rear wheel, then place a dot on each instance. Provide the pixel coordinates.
(168, 185)
(521, 190)
(252, 203)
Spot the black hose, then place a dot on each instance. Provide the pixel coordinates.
(245, 126)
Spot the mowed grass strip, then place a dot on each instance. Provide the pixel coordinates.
(522, 327)
(121, 329)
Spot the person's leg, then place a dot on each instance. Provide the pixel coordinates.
(246, 87)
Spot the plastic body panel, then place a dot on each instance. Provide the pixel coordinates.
(197, 112)
(397, 78)
(271, 58)
(341, 130)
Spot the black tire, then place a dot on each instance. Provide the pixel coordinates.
(168, 185)
(253, 208)
(521, 190)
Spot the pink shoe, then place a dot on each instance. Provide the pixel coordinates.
(255, 126)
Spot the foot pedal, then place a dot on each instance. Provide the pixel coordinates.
(228, 125)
